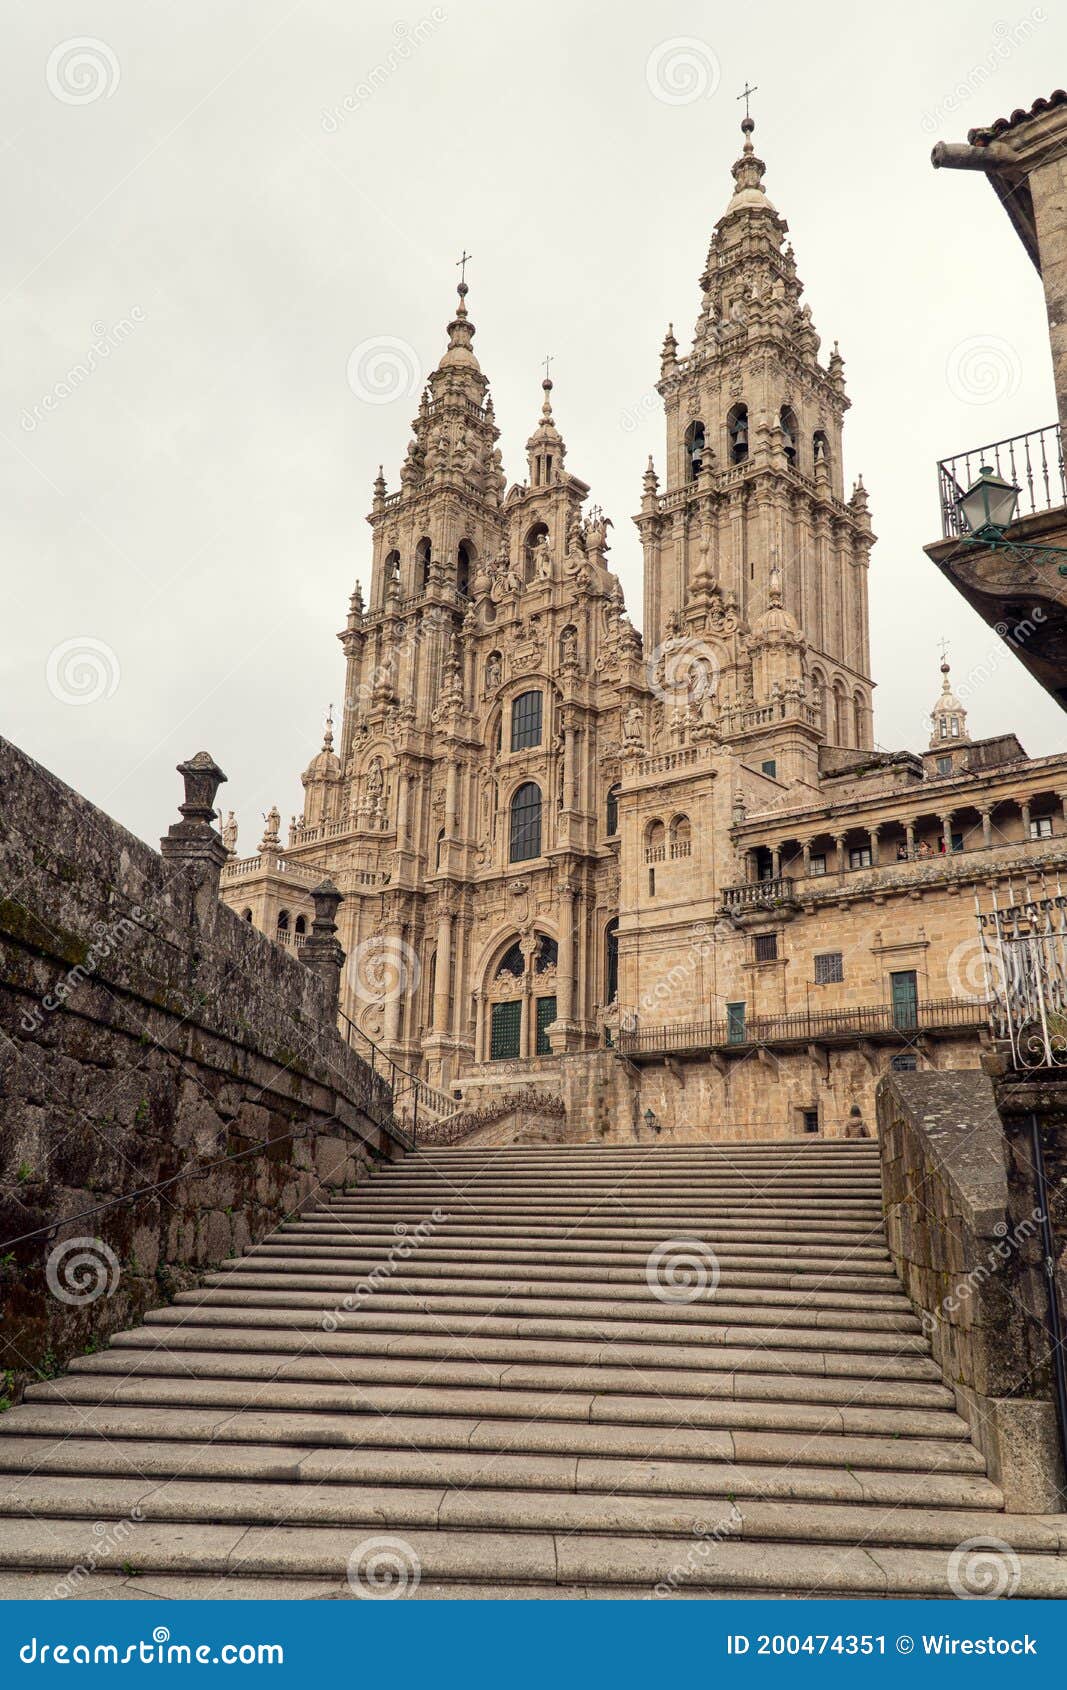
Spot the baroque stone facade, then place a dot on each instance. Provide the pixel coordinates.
(669, 877)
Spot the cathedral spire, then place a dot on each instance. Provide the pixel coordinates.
(748, 172)
(545, 447)
(948, 718)
(459, 354)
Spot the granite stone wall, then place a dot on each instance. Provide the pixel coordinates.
(964, 1230)
(147, 1035)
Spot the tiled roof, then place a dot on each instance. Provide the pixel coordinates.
(1000, 125)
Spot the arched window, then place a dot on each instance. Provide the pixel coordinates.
(694, 450)
(787, 423)
(526, 714)
(464, 567)
(283, 921)
(858, 718)
(526, 823)
(611, 819)
(535, 548)
(681, 836)
(655, 842)
(392, 567)
(512, 964)
(247, 915)
(300, 924)
(547, 954)
(422, 558)
(820, 447)
(611, 960)
(737, 429)
(840, 715)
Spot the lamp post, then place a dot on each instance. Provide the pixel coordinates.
(987, 509)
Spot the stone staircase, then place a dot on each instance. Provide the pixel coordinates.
(539, 1372)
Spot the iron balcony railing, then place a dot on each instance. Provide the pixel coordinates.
(881, 1020)
(411, 1094)
(1024, 950)
(1034, 462)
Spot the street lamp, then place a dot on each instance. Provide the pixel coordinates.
(987, 509)
(990, 504)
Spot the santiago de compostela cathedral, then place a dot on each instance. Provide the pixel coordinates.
(666, 879)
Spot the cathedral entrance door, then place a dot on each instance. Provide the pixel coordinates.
(505, 1032)
(546, 1014)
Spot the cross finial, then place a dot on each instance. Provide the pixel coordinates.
(550, 359)
(461, 263)
(944, 650)
(744, 94)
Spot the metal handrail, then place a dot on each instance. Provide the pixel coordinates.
(430, 1096)
(1033, 462)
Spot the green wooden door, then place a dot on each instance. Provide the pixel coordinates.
(505, 1031)
(905, 1000)
(546, 1014)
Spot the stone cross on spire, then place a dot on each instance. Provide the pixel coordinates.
(461, 264)
(744, 95)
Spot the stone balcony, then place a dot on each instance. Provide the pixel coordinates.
(881, 1023)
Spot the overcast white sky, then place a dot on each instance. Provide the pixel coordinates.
(188, 191)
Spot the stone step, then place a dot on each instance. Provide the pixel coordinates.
(575, 1208)
(336, 1247)
(786, 1151)
(549, 1296)
(329, 1499)
(633, 1191)
(548, 1279)
(514, 1558)
(318, 1225)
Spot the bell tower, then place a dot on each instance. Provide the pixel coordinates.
(752, 524)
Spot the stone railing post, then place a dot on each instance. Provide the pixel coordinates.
(323, 953)
(192, 844)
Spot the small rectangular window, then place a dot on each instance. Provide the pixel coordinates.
(770, 767)
(810, 1120)
(766, 947)
(906, 1063)
(944, 765)
(1041, 827)
(818, 865)
(860, 857)
(829, 968)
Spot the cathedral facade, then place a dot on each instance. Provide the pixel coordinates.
(666, 877)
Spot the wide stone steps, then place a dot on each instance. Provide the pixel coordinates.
(473, 1354)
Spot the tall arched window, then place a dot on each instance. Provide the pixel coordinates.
(694, 450)
(283, 921)
(611, 960)
(820, 447)
(737, 429)
(247, 915)
(526, 714)
(840, 715)
(300, 925)
(526, 823)
(681, 836)
(392, 567)
(611, 819)
(464, 566)
(422, 556)
(858, 718)
(787, 422)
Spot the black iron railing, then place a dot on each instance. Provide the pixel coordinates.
(881, 1020)
(411, 1093)
(1034, 462)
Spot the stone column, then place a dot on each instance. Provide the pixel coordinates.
(565, 969)
(909, 835)
(569, 770)
(873, 836)
(394, 1005)
(946, 832)
(403, 790)
(452, 799)
(776, 862)
(480, 1052)
(443, 971)
(322, 953)
(987, 827)
(839, 845)
(806, 851)
(192, 844)
(1025, 808)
